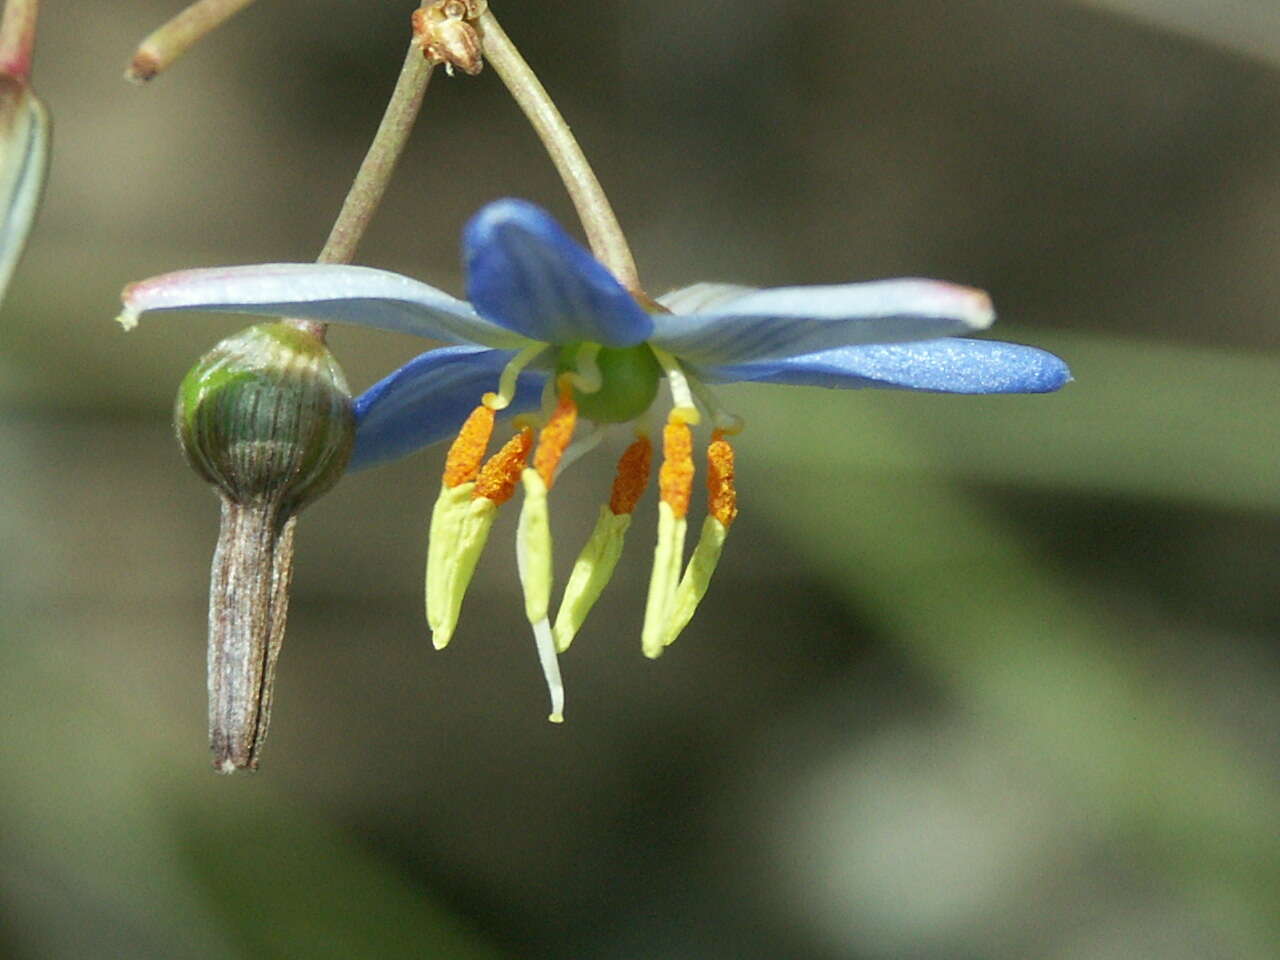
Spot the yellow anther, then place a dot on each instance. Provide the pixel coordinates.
(462, 464)
(675, 479)
(498, 477)
(633, 476)
(554, 438)
(722, 497)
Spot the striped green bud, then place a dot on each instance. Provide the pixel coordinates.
(266, 417)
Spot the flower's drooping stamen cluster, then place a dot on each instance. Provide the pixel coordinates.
(595, 564)
(675, 485)
(602, 386)
(463, 515)
(722, 509)
(533, 536)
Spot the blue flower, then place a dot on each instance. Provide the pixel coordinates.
(548, 327)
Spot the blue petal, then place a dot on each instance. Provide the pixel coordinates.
(526, 273)
(935, 366)
(790, 321)
(329, 292)
(427, 399)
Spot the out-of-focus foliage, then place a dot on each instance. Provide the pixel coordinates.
(984, 678)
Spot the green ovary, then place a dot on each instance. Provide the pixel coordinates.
(629, 379)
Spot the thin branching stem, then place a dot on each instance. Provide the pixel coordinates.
(604, 233)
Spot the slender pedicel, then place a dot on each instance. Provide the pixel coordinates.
(604, 233)
(380, 160)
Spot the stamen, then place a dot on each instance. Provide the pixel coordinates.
(633, 476)
(696, 579)
(550, 668)
(684, 408)
(594, 567)
(497, 479)
(445, 537)
(456, 564)
(467, 453)
(533, 547)
(663, 580)
(555, 436)
(675, 479)
(460, 527)
(675, 485)
(722, 507)
(508, 382)
(722, 497)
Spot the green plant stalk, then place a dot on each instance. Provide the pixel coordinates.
(604, 233)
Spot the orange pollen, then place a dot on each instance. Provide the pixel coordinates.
(497, 480)
(675, 479)
(465, 456)
(555, 436)
(722, 496)
(633, 476)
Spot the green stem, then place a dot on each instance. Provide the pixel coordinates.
(380, 162)
(604, 233)
(375, 171)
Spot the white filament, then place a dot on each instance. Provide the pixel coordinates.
(550, 667)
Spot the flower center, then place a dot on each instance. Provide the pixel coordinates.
(628, 380)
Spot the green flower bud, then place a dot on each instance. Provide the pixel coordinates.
(266, 417)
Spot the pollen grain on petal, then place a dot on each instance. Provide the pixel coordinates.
(675, 479)
(633, 476)
(462, 464)
(498, 478)
(722, 495)
(554, 438)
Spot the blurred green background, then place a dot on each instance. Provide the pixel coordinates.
(978, 678)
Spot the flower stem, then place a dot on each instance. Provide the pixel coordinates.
(380, 162)
(166, 44)
(604, 233)
(18, 37)
(375, 170)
